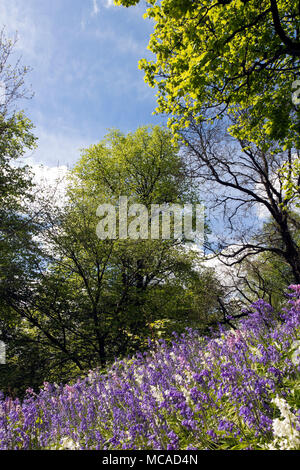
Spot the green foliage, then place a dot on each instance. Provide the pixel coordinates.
(92, 300)
(267, 273)
(16, 138)
(144, 166)
(15, 188)
(143, 281)
(17, 225)
(290, 175)
(235, 58)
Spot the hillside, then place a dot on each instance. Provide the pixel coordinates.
(237, 390)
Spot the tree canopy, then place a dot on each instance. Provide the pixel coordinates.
(16, 138)
(87, 300)
(234, 58)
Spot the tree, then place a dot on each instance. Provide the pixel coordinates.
(92, 300)
(15, 179)
(290, 173)
(240, 179)
(144, 165)
(17, 224)
(227, 58)
(265, 275)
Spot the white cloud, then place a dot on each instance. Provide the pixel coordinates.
(15, 22)
(53, 180)
(224, 273)
(109, 3)
(50, 183)
(96, 8)
(47, 174)
(34, 37)
(57, 147)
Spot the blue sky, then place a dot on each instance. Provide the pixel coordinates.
(84, 57)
